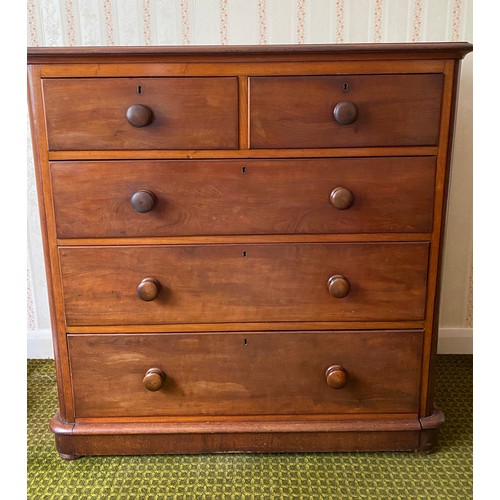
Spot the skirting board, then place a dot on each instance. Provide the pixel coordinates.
(451, 341)
(39, 344)
(455, 341)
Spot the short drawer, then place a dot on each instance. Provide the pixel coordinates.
(171, 198)
(245, 374)
(148, 113)
(345, 111)
(244, 283)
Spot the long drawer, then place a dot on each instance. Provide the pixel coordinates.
(245, 374)
(165, 198)
(244, 283)
(345, 111)
(141, 113)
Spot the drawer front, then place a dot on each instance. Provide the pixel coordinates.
(186, 113)
(245, 374)
(371, 110)
(97, 199)
(244, 283)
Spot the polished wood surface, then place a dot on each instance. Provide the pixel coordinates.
(244, 197)
(391, 110)
(341, 198)
(139, 115)
(338, 286)
(143, 201)
(345, 112)
(208, 435)
(243, 243)
(148, 289)
(93, 113)
(336, 376)
(154, 379)
(342, 52)
(181, 154)
(244, 283)
(235, 374)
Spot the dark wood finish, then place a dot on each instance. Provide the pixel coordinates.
(139, 115)
(90, 113)
(393, 110)
(219, 197)
(338, 286)
(383, 433)
(345, 112)
(336, 376)
(154, 379)
(341, 198)
(143, 201)
(240, 374)
(148, 289)
(252, 53)
(224, 442)
(342, 192)
(244, 283)
(430, 427)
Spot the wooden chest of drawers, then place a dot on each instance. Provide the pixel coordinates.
(242, 244)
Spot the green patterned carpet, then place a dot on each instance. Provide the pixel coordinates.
(445, 474)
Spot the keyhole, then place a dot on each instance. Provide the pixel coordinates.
(243, 170)
(345, 87)
(244, 253)
(245, 342)
(139, 89)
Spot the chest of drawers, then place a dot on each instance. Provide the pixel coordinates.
(242, 243)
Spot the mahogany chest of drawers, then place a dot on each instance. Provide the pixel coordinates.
(242, 243)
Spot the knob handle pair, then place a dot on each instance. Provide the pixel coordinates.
(336, 377)
(144, 200)
(149, 288)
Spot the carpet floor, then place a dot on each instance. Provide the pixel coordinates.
(444, 474)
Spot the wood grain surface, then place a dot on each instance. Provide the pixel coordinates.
(243, 243)
(90, 113)
(244, 283)
(232, 374)
(94, 199)
(297, 112)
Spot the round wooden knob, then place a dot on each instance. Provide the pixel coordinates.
(336, 376)
(148, 289)
(338, 286)
(341, 198)
(345, 112)
(139, 115)
(153, 380)
(143, 201)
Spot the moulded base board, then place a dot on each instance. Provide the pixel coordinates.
(74, 440)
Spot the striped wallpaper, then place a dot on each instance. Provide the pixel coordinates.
(248, 22)
(184, 22)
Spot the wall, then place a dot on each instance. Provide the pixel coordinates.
(181, 22)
